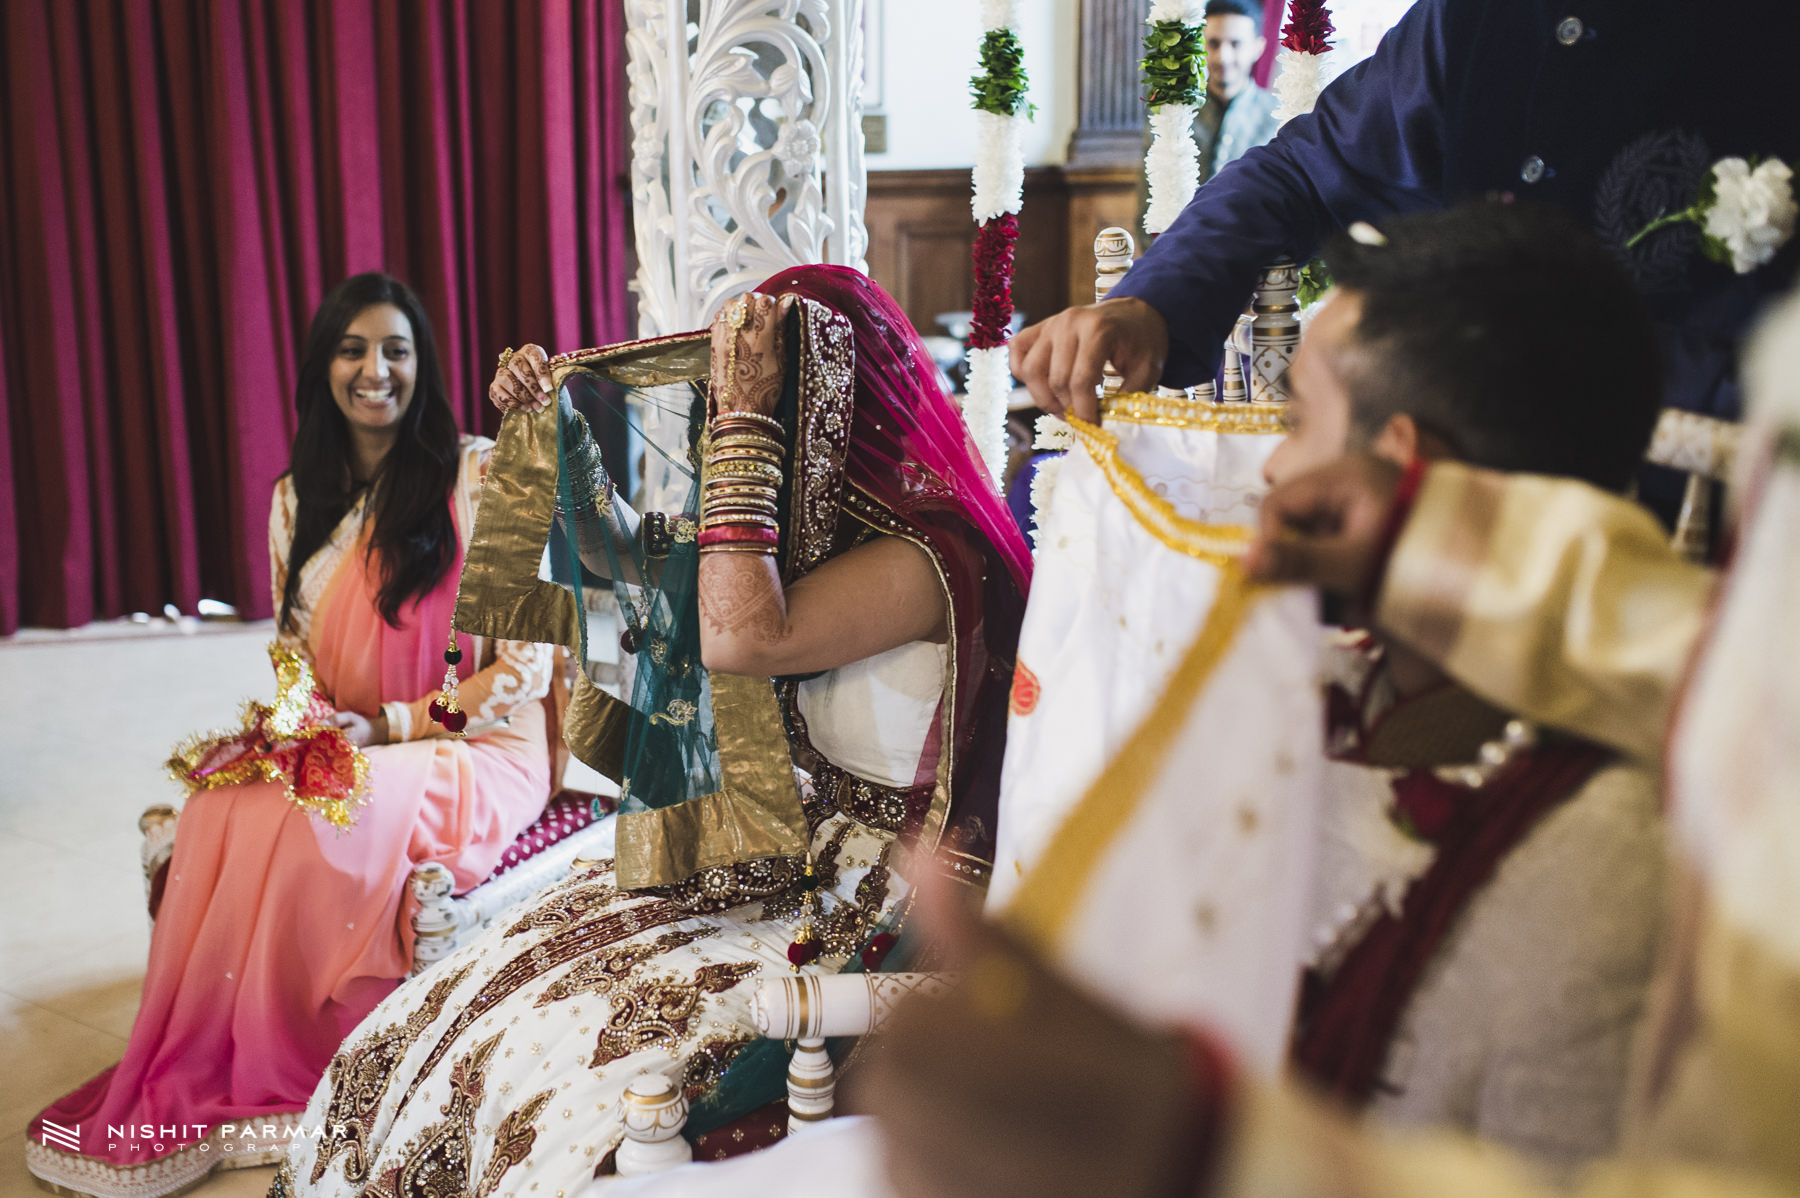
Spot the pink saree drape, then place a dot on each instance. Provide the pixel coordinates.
(276, 934)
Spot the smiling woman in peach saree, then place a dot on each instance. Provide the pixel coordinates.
(282, 921)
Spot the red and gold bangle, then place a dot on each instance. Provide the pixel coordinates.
(739, 538)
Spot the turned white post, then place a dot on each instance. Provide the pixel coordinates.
(654, 1111)
(1237, 347)
(811, 1085)
(1274, 333)
(158, 826)
(435, 923)
(1114, 249)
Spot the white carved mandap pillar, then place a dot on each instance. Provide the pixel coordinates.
(747, 149)
(746, 158)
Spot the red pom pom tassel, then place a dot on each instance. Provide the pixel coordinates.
(877, 950)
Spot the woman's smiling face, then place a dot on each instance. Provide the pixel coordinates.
(374, 368)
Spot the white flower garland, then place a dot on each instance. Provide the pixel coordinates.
(999, 174)
(1172, 163)
(1053, 435)
(1299, 78)
(998, 183)
(988, 387)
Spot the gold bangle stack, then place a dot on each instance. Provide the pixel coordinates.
(740, 512)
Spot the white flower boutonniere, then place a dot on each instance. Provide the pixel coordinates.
(1745, 211)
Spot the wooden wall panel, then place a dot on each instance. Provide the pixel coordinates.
(921, 234)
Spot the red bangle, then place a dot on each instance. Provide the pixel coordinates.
(1404, 496)
(739, 533)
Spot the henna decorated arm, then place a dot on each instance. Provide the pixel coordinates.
(876, 597)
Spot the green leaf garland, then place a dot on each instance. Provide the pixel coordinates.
(1000, 88)
(1315, 281)
(1174, 64)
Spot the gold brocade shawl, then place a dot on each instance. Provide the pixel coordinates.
(756, 813)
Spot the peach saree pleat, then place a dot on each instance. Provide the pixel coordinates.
(276, 934)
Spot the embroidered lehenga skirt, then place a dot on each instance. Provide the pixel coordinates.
(500, 1071)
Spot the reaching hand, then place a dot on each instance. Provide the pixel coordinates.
(522, 384)
(1326, 528)
(1061, 359)
(1014, 1083)
(749, 353)
(362, 731)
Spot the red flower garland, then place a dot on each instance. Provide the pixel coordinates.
(1309, 27)
(993, 255)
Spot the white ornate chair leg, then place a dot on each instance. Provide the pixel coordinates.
(811, 1085)
(158, 826)
(654, 1111)
(436, 922)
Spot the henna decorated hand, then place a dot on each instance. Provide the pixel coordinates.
(522, 384)
(749, 353)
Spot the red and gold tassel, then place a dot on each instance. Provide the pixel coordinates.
(445, 709)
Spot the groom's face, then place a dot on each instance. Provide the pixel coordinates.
(1318, 411)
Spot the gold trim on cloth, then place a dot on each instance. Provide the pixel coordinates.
(1051, 892)
(1218, 544)
(1197, 415)
(756, 814)
(678, 358)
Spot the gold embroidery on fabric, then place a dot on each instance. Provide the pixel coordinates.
(359, 1076)
(679, 712)
(822, 437)
(723, 887)
(662, 1012)
(557, 911)
(551, 954)
(756, 814)
(1138, 407)
(601, 974)
(283, 1185)
(438, 1162)
(843, 930)
(1051, 891)
(708, 1064)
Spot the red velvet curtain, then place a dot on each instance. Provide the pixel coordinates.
(185, 179)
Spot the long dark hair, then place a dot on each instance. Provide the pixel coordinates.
(413, 535)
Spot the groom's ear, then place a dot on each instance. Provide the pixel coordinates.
(1398, 441)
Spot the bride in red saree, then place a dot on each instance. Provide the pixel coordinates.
(882, 593)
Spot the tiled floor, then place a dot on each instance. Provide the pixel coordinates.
(86, 721)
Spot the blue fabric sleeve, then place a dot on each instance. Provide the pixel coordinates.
(1371, 147)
